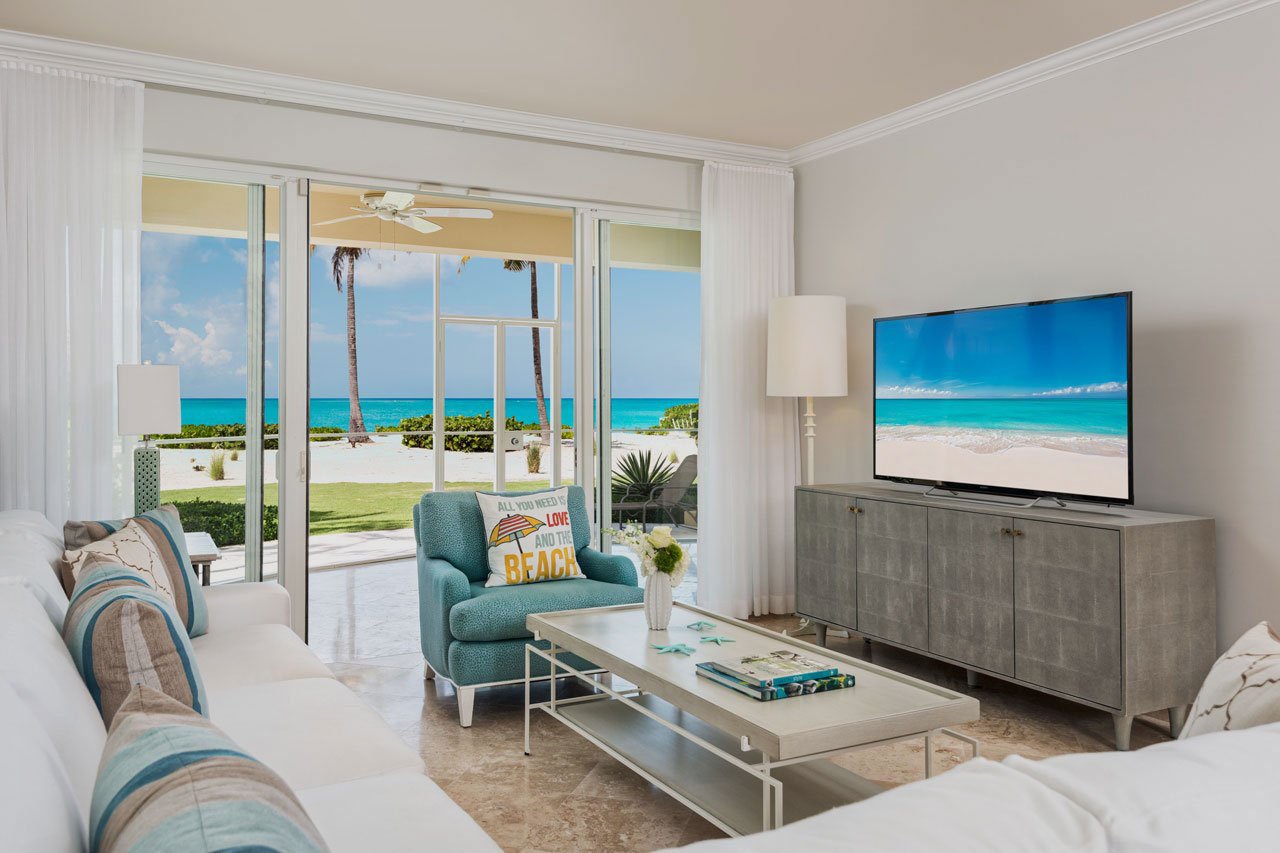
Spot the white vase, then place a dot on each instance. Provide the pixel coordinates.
(657, 601)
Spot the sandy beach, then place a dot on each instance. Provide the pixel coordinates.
(387, 460)
(1079, 465)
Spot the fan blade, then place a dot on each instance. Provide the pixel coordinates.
(455, 212)
(397, 200)
(344, 219)
(420, 225)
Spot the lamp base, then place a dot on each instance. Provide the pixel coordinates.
(146, 479)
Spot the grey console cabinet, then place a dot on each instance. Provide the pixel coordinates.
(1115, 609)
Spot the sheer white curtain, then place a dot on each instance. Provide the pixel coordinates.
(748, 447)
(70, 211)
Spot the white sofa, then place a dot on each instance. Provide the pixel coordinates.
(364, 788)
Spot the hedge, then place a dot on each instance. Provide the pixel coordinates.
(216, 430)
(224, 521)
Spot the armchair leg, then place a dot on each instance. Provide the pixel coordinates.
(428, 672)
(466, 701)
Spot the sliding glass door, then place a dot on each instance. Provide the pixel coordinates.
(210, 305)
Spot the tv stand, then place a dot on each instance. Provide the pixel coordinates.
(1114, 609)
(996, 500)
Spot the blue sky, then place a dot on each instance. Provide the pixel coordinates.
(1064, 350)
(193, 310)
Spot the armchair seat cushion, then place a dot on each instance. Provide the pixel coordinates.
(499, 612)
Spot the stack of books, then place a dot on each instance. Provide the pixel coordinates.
(776, 675)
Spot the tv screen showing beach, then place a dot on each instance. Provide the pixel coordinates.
(1031, 398)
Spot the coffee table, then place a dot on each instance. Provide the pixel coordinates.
(727, 756)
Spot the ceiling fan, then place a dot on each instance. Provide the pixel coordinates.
(395, 207)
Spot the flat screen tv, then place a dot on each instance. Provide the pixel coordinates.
(1031, 399)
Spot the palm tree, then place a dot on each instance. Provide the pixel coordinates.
(346, 257)
(517, 265)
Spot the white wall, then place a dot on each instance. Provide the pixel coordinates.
(1158, 171)
(196, 125)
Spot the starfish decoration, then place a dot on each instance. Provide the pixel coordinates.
(700, 625)
(719, 641)
(677, 648)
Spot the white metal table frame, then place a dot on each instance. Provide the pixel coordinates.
(771, 788)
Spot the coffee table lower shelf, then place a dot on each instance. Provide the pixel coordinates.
(735, 799)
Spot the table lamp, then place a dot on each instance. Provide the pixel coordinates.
(148, 402)
(808, 356)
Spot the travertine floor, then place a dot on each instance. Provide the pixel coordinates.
(570, 796)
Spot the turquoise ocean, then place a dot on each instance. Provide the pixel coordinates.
(628, 412)
(1076, 416)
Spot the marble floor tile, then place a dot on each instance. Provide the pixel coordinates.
(570, 796)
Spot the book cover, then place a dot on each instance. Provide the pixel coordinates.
(775, 668)
(764, 694)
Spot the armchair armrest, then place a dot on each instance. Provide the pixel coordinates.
(238, 605)
(441, 585)
(609, 568)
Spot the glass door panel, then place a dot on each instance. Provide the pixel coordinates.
(210, 258)
(470, 405)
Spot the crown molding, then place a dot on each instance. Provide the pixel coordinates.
(174, 72)
(1172, 24)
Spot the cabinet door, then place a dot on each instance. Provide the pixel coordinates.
(971, 588)
(826, 537)
(1066, 600)
(893, 572)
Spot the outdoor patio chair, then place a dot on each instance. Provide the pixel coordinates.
(473, 635)
(671, 499)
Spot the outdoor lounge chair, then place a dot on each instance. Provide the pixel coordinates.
(670, 498)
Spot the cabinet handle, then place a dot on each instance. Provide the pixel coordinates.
(855, 510)
(1016, 532)
(1004, 531)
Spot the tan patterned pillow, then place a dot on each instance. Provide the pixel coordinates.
(1243, 687)
(132, 547)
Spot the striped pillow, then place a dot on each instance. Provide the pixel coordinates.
(171, 780)
(121, 632)
(159, 541)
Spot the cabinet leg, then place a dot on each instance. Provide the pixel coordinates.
(971, 678)
(820, 633)
(1123, 726)
(1177, 719)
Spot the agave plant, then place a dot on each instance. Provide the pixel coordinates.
(638, 473)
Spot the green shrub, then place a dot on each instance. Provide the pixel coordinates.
(533, 457)
(235, 455)
(459, 423)
(217, 465)
(224, 520)
(220, 430)
(682, 417)
(637, 474)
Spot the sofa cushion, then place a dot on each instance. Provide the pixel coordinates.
(499, 612)
(398, 813)
(235, 605)
(32, 550)
(163, 527)
(35, 663)
(312, 731)
(171, 781)
(121, 632)
(449, 526)
(1242, 688)
(1212, 792)
(38, 810)
(256, 654)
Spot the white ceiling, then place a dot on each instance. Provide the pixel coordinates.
(764, 72)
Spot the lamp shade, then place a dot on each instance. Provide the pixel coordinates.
(808, 353)
(148, 399)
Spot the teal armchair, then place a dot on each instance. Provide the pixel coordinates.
(474, 635)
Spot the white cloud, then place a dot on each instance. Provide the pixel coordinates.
(385, 268)
(912, 391)
(319, 334)
(1077, 390)
(187, 346)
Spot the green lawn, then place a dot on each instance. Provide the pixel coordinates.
(345, 507)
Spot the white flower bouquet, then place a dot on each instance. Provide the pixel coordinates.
(658, 551)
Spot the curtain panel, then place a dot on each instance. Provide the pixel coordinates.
(70, 213)
(748, 452)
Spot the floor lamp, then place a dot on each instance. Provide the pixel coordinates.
(808, 357)
(147, 402)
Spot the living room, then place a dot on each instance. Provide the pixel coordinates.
(731, 359)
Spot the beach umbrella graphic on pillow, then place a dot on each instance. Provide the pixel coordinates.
(513, 528)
